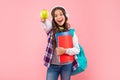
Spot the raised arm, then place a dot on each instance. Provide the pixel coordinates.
(46, 24)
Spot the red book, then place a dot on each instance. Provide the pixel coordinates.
(65, 40)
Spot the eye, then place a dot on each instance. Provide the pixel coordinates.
(61, 14)
(56, 15)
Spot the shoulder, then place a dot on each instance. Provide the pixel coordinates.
(72, 31)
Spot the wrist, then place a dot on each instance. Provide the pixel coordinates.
(64, 50)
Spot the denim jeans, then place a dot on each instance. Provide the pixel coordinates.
(55, 70)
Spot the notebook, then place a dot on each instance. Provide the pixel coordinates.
(64, 39)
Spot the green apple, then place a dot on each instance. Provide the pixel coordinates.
(44, 14)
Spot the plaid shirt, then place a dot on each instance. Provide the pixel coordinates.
(49, 53)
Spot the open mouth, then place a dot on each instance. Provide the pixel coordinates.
(60, 21)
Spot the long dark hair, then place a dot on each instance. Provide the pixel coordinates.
(55, 26)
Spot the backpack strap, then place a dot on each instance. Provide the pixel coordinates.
(72, 32)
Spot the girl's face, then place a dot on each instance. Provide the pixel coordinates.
(59, 17)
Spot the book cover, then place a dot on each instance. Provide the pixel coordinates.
(64, 39)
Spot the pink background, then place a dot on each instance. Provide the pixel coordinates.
(23, 41)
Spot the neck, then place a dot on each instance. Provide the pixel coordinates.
(61, 27)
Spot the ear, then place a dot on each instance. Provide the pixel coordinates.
(67, 15)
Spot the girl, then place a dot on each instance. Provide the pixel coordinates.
(51, 58)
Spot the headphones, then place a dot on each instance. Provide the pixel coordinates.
(58, 6)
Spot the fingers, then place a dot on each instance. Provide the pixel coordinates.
(60, 50)
(43, 20)
(57, 51)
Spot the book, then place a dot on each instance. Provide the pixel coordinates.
(64, 39)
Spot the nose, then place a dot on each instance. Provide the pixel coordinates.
(59, 17)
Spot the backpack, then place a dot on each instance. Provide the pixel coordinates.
(81, 59)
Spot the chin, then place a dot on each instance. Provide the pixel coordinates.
(60, 25)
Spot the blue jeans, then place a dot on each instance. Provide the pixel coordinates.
(54, 71)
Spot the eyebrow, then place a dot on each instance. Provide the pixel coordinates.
(60, 13)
